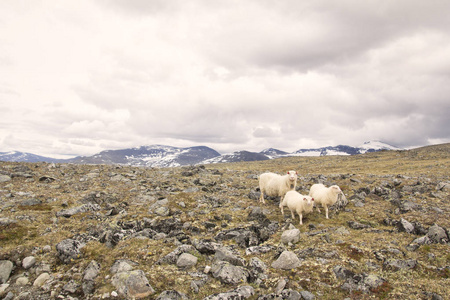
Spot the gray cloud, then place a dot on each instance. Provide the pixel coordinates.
(231, 75)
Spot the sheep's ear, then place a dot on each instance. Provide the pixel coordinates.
(312, 199)
(304, 199)
(287, 172)
(296, 173)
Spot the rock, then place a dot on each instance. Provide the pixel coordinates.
(41, 280)
(405, 226)
(3, 288)
(69, 249)
(6, 267)
(228, 273)
(342, 231)
(224, 254)
(437, 234)
(287, 261)
(357, 225)
(28, 262)
(132, 284)
(242, 292)
(172, 257)
(22, 280)
(122, 265)
(67, 213)
(290, 236)
(307, 295)
(415, 244)
(343, 273)
(91, 271)
(72, 287)
(186, 260)
(397, 264)
(171, 295)
(4, 178)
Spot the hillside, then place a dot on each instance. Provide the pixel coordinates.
(113, 232)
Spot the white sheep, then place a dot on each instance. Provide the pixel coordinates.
(326, 196)
(298, 203)
(275, 185)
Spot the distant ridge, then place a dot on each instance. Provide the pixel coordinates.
(167, 156)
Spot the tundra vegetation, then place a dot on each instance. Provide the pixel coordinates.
(86, 231)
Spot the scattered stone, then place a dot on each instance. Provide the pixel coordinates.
(132, 284)
(69, 249)
(172, 295)
(122, 265)
(397, 264)
(405, 226)
(91, 271)
(22, 280)
(28, 262)
(242, 292)
(4, 178)
(186, 260)
(437, 234)
(307, 295)
(357, 225)
(41, 280)
(6, 267)
(287, 261)
(67, 213)
(290, 236)
(224, 254)
(228, 273)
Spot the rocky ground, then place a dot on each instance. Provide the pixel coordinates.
(112, 232)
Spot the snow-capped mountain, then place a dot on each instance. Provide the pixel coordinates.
(168, 156)
(151, 156)
(236, 157)
(25, 157)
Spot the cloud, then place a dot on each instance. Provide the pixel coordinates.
(95, 75)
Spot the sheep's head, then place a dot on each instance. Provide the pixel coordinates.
(308, 200)
(336, 190)
(292, 175)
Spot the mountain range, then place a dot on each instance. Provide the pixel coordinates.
(167, 156)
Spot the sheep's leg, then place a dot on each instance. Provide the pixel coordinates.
(301, 217)
(318, 209)
(261, 197)
(281, 207)
(326, 210)
(292, 215)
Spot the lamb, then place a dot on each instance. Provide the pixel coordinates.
(297, 202)
(325, 196)
(275, 185)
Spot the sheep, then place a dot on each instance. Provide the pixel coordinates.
(325, 196)
(275, 185)
(297, 202)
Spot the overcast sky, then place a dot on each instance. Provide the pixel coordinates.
(79, 77)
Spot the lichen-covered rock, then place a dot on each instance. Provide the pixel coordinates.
(290, 236)
(437, 234)
(6, 267)
(132, 284)
(69, 249)
(228, 273)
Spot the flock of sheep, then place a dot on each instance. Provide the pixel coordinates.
(283, 186)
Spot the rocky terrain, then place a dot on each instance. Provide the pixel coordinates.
(113, 232)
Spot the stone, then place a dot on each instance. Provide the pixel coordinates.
(228, 273)
(437, 234)
(122, 265)
(91, 271)
(67, 213)
(28, 262)
(242, 292)
(186, 260)
(171, 295)
(286, 261)
(357, 225)
(132, 284)
(4, 178)
(22, 280)
(290, 236)
(6, 268)
(41, 280)
(307, 295)
(343, 273)
(398, 264)
(224, 254)
(69, 249)
(405, 226)
(71, 287)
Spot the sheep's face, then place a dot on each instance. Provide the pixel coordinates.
(292, 175)
(336, 190)
(309, 201)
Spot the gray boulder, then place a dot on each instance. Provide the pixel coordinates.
(287, 261)
(398, 264)
(132, 284)
(67, 213)
(92, 270)
(290, 236)
(5, 270)
(171, 295)
(69, 249)
(437, 234)
(186, 260)
(224, 254)
(228, 273)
